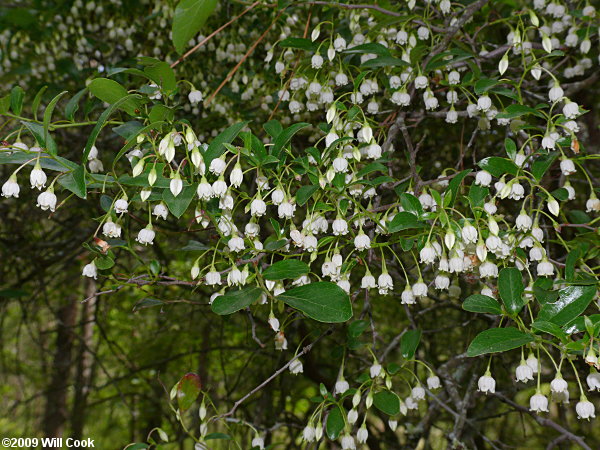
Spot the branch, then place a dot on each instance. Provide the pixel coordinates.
(278, 372)
(207, 38)
(545, 422)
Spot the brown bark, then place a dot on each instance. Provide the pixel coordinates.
(55, 414)
(85, 360)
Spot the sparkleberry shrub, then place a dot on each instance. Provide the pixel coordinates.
(331, 159)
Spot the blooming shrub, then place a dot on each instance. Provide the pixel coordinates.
(355, 165)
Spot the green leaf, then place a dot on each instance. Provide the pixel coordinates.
(356, 328)
(216, 147)
(383, 61)
(16, 100)
(498, 340)
(233, 301)
(160, 113)
(513, 111)
(542, 164)
(484, 84)
(37, 131)
(285, 136)
(305, 193)
(271, 246)
(409, 343)
(104, 262)
(510, 288)
(73, 104)
(4, 104)
(454, 186)
(37, 100)
(188, 390)
(323, 301)
(572, 259)
(572, 301)
(511, 148)
(299, 43)
(178, 205)
(195, 246)
(411, 204)
(102, 122)
(289, 268)
(404, 221)
(48, 113)
(190, 16)
(387, 402)
(111, 92)
(542, 289)
(498, 166)
(482, 304)
(550, 328)
(370, 47)
(212, 436)
(477, 195)
(161, 73)
(74, 181)
(335, 423)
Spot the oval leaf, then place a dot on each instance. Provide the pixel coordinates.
(572, 301)
(482, 304)
(498, 340)
(189, 17)
(323, 301)
(510, 288)
(188, 390)
(233, 301)
(387, 402)
(290, 268)
(335, 423)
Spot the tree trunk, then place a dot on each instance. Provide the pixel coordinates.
(85, 360)
(55, 414)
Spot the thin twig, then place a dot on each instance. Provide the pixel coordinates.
(207, 38)
(244, 58)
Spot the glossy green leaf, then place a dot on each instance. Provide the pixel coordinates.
(484, 84)
(74, 181)
(404, 221)
(190, 16)
(48, 113)
(482, 304)
(287, 269)
(299, 43)
(111, 92)
(17, 94)
(178, 205)
(550, 328)
(335, 423)
(409, 343)
(216, 147)
(73, 104)
(387, 402)
(323, 301)
(510, 288)
(370, 47)
(498, 166)
(542, 164)
(454, 186)
(498, 340)
(234, 301)
(383, 61)
(285, 136)
(411, 204)
(305, 193)
(102, 120)
(572, 302)
(37, 101)
(37, 131)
